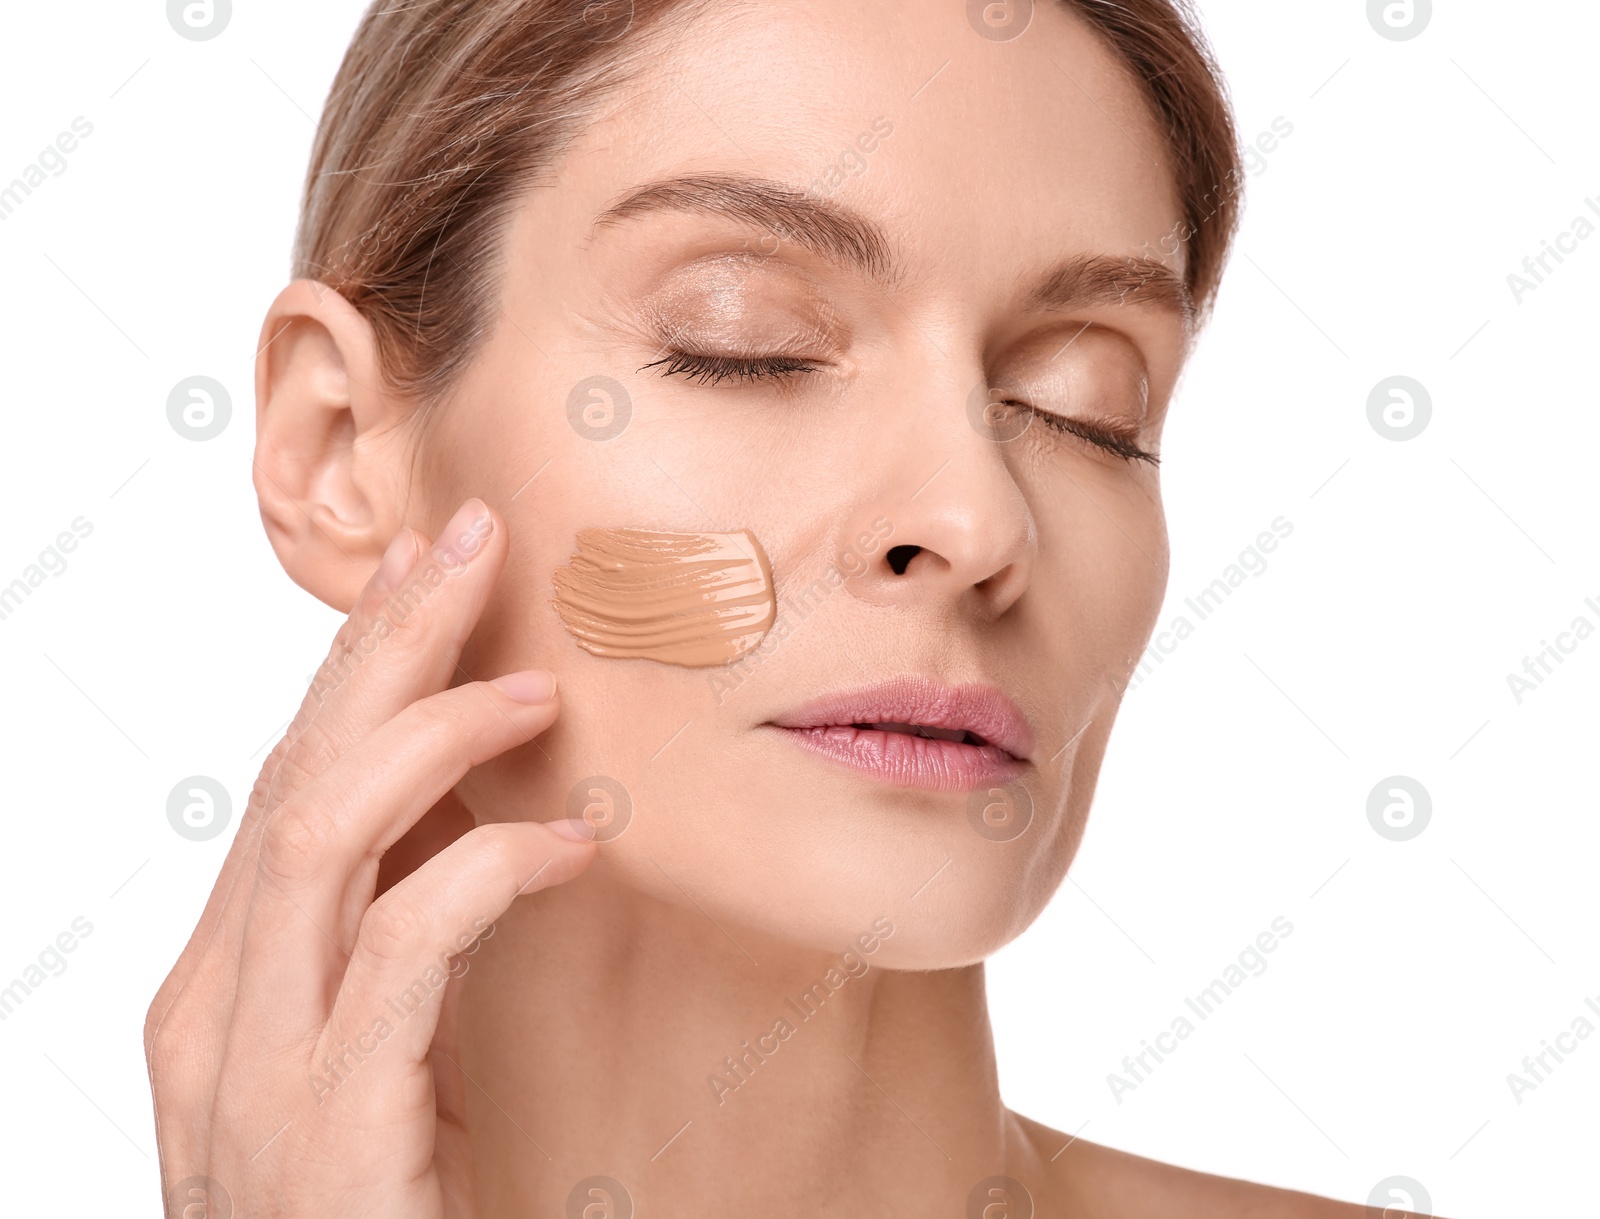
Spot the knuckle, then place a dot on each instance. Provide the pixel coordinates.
(441, 721)
(499, 843)
(392, 929)
(162, 1054)
(295, 840)
(312, 749)
(406, 615)
(304, 753)
(288, 776)
(397, 624)
(167, 1034)
(361, 636)
(158, 1035)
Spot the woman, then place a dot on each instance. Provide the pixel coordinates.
(877, 311)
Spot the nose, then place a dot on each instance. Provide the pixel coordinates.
(959, 528)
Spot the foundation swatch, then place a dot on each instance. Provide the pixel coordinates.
(693, 599)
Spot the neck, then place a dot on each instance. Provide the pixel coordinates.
(708, 1070)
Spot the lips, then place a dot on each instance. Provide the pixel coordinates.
(913, 732)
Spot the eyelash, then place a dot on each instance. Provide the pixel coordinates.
(1118, 444)
(713, 370)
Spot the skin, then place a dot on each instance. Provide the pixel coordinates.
(579, 1035)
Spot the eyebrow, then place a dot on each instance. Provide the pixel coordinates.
(1100, 279)
(834, 231)
(814, 223)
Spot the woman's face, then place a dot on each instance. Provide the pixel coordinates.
(831, 233)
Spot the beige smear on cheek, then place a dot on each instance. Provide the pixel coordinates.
(693, 599)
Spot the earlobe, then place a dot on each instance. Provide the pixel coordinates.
(330, 455)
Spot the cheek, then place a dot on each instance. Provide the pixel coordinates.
(700, 790)
(1103, 551)
(1096, 589)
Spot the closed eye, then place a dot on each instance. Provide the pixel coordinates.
(1118, 441)
(712, 370)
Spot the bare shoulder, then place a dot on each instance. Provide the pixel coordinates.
(1086, 1178)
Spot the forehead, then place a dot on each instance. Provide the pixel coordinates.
(980, 158)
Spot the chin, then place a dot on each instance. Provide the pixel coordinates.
(805, 851)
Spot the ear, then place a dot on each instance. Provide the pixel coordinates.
(331, 452)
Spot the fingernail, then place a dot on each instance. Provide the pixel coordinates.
(528, 686)
(397, 560)
(465, 534)
(576, 831)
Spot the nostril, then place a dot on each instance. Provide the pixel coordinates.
(900, 557)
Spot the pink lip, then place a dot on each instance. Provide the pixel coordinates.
(828, 726)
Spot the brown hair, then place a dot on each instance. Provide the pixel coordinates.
(443, 111)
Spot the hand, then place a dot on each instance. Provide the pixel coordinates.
(301, 1050)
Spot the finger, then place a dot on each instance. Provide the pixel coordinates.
(315, 870)
(403, 954)
(182, 1048)
(438, 828)
(402, 641)
(452, 1142)
(336, 707)
(416, 603)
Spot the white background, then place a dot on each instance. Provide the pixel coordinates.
(1378, 239)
